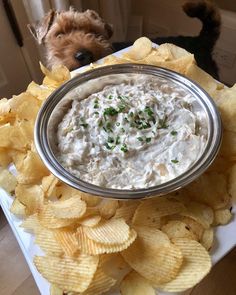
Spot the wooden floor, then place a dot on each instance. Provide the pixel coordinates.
(15, 277)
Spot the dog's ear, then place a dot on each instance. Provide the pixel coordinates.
(39, 29)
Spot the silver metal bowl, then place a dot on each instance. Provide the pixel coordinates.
(58, 103)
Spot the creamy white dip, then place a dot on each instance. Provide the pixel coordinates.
(135, 134)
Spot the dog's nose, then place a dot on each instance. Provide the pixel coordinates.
(84, 57)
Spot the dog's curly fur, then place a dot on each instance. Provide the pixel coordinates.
(65, 33)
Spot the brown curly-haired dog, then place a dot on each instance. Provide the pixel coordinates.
(73, 38)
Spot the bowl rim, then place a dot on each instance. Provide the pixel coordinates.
(204, 161)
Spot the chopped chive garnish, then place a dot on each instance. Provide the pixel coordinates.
(117, 123)
(118, 140)
(110, 139)
(148, 139)
(149, 111)
(131, 114)
(96, 100)
(104, 129)
(124, 148)
(121, 108)
(123, 130)
(110, 111)
(85, 125)
(100, 123)
(110, 97)
(140, 112)
(97, 113)
(109, 147)
(175, 161)
(140, 138)
(96, 106)
(126, 120)
(108, 126)
(174, 133)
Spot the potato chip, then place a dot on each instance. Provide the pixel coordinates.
(178, 229)
(89, 246)
(31, 196)
(195, 267)
(38, 91)
(5, 157)
(126, 211)
(207, 238)
(140, 49)
(47, 219)
(54, 78)
(133, 283)
(207, 82)
(64, 192)
(7, 180)
(201, 213)
(70, 208)
(68, 274)
(155, 259)
(32, 170)
(90, 220)
(46, 240)
(25, 106)
(222, 216)
(232, 182)
(112, 231)
(150, 211)
(49, 185)
(67, 240)
(150, 236)
(18, 208)
(175, 52)
(210, 189)
(32, 224)
(4, 107)
(54, 290)
(90, 200)
(101, 283)
(107, 208)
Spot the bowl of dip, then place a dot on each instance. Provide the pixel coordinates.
(128, 131)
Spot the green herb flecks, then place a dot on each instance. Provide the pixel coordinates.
(148, 111)
(140, 138)
(124, 148)
(110, 97)
(148, 139)
(117, 140)
(110, 139)
(85, 125)
(173, 132)
(109, 146)
(110, 111)
(175, 161)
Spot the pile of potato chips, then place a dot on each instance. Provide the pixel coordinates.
(93, 245)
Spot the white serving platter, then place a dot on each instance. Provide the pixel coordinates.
(225, 238)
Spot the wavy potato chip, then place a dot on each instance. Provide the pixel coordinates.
(49, 185)
(91, 247)
(46, 240)
(222, 216)
(110, 232)
(107, 208)
(90, 220)
(70, 208)
(32, 224)
(54, 290)
(196, 265)
(67, 240)
(126, 211)
(178, 229)
(153, 256)
(68, 274)
(133, 283)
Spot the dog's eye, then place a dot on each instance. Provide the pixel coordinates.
(59, 35)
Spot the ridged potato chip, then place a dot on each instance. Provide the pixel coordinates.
(110, 232)
(100, 284)
(196, 265)
(70, 208)
(68, 274)
(54, 290)
(133, 283)
(91, 247)
(67, 240)
(201, 213)
(150, 212)
(178, 229)
(155, 259)
(90, 200)
(49, 185)
(39, 92)
(46, 240)
(92, 220)
(207, 238)
(32, 224)
(47, 219)
(126, 210)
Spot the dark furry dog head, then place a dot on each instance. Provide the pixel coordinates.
(73, 38)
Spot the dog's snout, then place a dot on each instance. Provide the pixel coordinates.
(84, 57)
